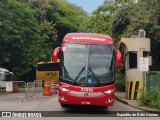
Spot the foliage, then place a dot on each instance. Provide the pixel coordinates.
(100, 20)
(120, 78)
(30, 29)
(120, 21)
(120, 82)
(128, 19)
(151, 97)
(110, 18)
(66, 17)
(21, 37)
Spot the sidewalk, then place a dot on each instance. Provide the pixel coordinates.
(121, 96)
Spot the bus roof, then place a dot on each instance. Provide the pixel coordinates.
(44, 62)
(88, 38)
(58, 60)
(3, 70)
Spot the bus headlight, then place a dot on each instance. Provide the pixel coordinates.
(62, 98)
(109, 100)
(109, 91)
(64, 89)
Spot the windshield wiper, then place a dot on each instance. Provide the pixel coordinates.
(81, 71)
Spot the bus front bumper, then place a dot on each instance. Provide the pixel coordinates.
(86, 99)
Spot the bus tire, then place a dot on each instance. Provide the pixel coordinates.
(63, 105)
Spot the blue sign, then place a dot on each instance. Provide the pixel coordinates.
(89, 80)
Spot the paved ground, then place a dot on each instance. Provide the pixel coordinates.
(24, 98)
(50, 105)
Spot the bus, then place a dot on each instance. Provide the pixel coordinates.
(87, 69)
(5, 76)
(47, 71)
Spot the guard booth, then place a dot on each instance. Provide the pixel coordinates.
(135, 50)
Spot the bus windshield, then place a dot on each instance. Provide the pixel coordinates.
(5, 76)
(87, 65)
(2, 76)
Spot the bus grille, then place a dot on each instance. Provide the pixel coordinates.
(82, 94)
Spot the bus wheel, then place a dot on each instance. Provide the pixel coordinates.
(63, 105)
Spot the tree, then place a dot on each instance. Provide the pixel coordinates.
(127, 20)
(65, 16)
(23, 39)
(99, 21)
(120, 21)
(30, 29)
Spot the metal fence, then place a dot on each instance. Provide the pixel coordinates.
(21, 90)
(34, 87)
(153, 79)
(12, 86)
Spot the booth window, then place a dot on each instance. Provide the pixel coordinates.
(131, 60)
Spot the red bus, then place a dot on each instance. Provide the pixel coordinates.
(87, 69)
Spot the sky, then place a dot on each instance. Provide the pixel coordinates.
(88, 5)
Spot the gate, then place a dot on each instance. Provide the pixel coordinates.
(13, 90)
(153, 80)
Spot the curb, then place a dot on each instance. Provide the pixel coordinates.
(142, 108)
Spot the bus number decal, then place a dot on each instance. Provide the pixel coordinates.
(86, 89)
(51, 74)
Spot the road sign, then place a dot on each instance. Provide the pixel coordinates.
(144, 64)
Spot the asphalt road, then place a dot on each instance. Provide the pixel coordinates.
(49, 106)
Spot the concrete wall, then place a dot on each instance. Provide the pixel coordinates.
(134, 77)
(134, 44)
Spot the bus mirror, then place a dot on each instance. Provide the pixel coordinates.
(55, 54)
(118, 58)
(11, 73)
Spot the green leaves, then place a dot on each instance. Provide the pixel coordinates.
(151, 97)
(129, 19)
(67, 17)
(23, 40)
(100, 20)
(30, 29)
(120, 20)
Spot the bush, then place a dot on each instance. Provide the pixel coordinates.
(120, 82)
(151, 97)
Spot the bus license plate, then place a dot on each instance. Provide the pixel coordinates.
(85, 103)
